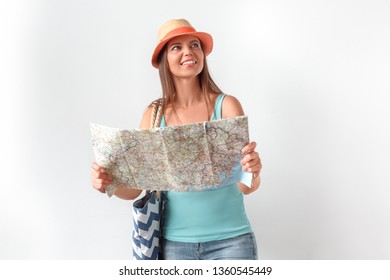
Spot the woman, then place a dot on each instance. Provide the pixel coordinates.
(210, 224)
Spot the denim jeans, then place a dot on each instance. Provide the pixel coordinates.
(242, 247)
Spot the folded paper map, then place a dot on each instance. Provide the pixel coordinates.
(190, 157)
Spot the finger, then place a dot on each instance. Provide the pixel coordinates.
(257, 169)
(252, 169)
(253, 165)
(251, 161)
(106, 176)
(250, 164)
(99, 187)
(255, 161)
(248, 148)
(101, 175)
(250, 157)
(107, 182)
(99, 183)
(97, 167)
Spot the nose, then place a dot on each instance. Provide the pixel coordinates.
(188, 51)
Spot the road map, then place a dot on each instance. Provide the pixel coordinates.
(190, 157)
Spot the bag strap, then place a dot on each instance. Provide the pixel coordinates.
(155, 120)
(156, 116)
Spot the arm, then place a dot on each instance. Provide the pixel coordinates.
(231, 107)
(100, 178)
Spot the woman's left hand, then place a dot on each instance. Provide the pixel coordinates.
(251, 161)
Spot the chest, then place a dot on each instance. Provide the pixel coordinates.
(195, 114)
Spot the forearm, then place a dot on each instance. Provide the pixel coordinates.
(127, 193)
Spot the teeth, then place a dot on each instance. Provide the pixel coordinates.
(188, 62)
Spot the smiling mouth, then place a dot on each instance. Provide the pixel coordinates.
(188, 62)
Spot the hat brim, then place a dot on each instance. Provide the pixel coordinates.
(205, 38)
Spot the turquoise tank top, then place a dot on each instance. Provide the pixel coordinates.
(208, 215)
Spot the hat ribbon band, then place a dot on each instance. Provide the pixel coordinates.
(178, 31)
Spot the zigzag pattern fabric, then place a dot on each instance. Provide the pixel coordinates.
(146, 232)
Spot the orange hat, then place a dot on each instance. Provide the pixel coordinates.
(177, 27)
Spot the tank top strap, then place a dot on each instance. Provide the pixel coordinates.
(162, 122)
(217, 115)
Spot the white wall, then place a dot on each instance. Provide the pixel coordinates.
(313, 77)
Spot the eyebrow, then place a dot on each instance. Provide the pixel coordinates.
(179, 43)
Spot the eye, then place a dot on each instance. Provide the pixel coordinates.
(175, 48)
(195, 45)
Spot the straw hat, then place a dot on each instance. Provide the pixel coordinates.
(176, 27)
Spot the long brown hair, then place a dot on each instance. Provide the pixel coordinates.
(206, 83)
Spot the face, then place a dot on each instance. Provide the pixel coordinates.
(185, 56)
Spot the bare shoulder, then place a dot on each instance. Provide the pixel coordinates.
(145, 121)
(231, 107)
(147, 116)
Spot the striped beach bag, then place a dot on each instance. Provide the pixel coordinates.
(147, 214)
(147, 211)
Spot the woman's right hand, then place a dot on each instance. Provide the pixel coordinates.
(100, 178)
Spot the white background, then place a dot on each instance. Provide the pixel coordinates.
(313, 77)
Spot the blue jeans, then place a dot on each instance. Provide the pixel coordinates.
(242, 247)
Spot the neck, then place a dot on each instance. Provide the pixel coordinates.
(188, 92)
